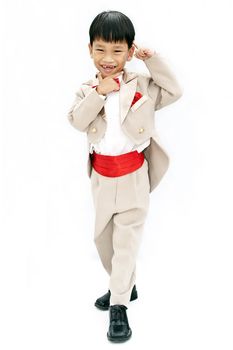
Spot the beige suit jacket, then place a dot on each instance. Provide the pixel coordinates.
(158, 90)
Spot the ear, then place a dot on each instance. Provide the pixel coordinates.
(131, 53)
(90, 50)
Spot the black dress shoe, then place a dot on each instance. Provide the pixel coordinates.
(119, 329)
(103, 302)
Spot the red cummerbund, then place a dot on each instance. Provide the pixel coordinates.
(113, 166)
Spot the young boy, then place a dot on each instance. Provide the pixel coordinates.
(125, 160)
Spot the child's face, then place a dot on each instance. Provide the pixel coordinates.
(110, 57)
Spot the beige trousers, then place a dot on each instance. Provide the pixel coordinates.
(121, 206)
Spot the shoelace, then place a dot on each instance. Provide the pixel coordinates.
(118, 313)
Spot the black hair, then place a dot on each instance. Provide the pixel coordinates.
(112, 26)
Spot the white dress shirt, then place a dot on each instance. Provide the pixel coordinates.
(114, 141)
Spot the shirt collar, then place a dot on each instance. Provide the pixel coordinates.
(120, 76)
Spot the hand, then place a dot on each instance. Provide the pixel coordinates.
(107, 84)
(143, 53)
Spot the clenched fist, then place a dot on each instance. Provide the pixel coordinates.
(107, 84)
(143, 53)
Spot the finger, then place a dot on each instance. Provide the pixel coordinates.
(139, 55)
(99, 76)
(114, 75)
(138, 52)
(135, 45)
(142, 51)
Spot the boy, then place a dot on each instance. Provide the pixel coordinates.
(125, 161)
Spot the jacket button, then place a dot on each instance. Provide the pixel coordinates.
(93, 130)
(141, 130)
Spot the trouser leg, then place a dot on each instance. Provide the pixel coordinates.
(103, 192)
(132, 203)
(127, 235)
(121, 206)
(104, 246)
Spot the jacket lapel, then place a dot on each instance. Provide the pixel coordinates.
(127, 92)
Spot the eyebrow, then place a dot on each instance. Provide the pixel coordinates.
(115, 46)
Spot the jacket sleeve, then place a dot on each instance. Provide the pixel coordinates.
(163, 86)
(85, 109)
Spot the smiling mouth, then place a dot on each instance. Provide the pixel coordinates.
(108, 66)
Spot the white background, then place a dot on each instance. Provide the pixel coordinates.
(50, 270)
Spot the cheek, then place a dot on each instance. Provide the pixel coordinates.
(124, 58)
(97, 59)
(96, 55)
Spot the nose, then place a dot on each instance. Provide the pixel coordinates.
(108, 59)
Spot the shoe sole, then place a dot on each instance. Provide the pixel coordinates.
(102, 308)
(119, 340)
